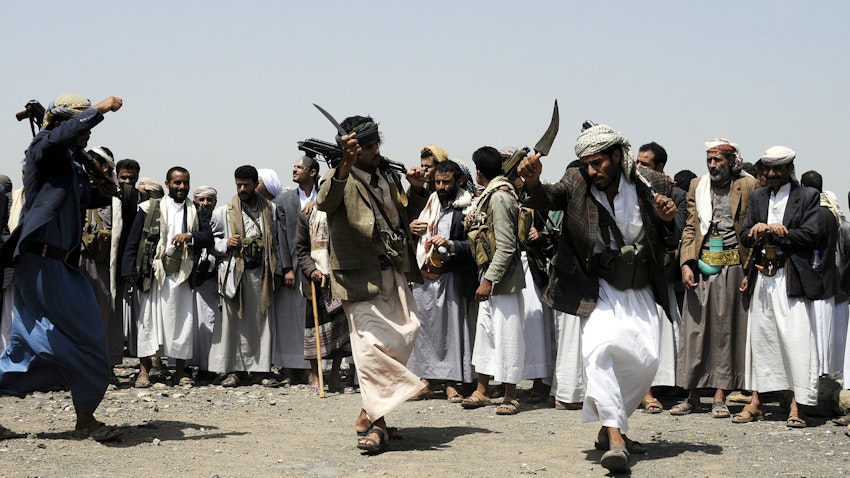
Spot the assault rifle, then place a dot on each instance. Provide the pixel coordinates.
(35, 113)
(332, 154)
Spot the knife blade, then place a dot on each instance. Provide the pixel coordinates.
(342, 132)
(545, 144)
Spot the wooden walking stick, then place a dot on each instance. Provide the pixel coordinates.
(316, 337)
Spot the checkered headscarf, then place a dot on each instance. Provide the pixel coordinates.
(600, 137)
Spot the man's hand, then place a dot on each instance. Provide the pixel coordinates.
(234, 241)
(350, 152)
(416, 178)
(760, 229)
(745, 284)
(484, 290)
(688, 279)
(316, 276)
(418, 228)
(180, 239)
(439, 241)
(533, 235)
(529, 170)
(664, 207)
(112, 103)
(289, 279)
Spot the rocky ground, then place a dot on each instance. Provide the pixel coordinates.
(210, 431)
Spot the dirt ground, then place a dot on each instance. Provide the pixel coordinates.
(210, 431)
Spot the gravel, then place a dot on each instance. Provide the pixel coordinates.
(211, 431)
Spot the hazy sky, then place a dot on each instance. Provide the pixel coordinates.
(213, 85)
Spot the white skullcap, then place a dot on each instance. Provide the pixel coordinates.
(205, 191)
(778, 155)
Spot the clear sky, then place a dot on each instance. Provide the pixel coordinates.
(212, 85)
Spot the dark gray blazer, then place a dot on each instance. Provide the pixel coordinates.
(801, 219)
(288, 207)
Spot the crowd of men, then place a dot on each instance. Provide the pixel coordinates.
(599, 287)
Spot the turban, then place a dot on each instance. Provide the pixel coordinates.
(778, 155)
(437, 152)
(149, 185)
(508, 152)
(205, 191)
(65, 107)
(600, 137)
(723, 146)
(105, 155)
(270, 181)
(366, 133)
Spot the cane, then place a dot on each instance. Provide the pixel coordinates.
(316, 337)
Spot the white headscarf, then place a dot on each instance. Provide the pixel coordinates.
(723, 145)
(270, 181)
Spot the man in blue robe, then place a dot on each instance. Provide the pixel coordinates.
(57, 335)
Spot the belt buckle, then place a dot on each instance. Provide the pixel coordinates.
(44, 250)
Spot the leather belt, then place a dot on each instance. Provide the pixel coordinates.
(46, 250)
(769, 267)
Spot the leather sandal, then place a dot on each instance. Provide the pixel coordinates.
(372, 446)
(749, 414)
(652, 406)
(510, 407)
(719, 410)
(682, 408)
(842, 421)
(796, 420)
(476, 400)
(616, 459)
(143, 380)
(452, 395)
(230, 381)
(633, 447)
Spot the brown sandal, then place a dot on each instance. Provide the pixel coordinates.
(508, 408)
(796, 420)
(143, 380)
(749, 414)
(452, 395)
(476, 400)
(652, 406)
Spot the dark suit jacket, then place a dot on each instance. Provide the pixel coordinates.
(574, 288)
(52, 180)
(303, 247)
(288, 207)
(842, 260)
(351, 223)
(827, 248)
(801, 219)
